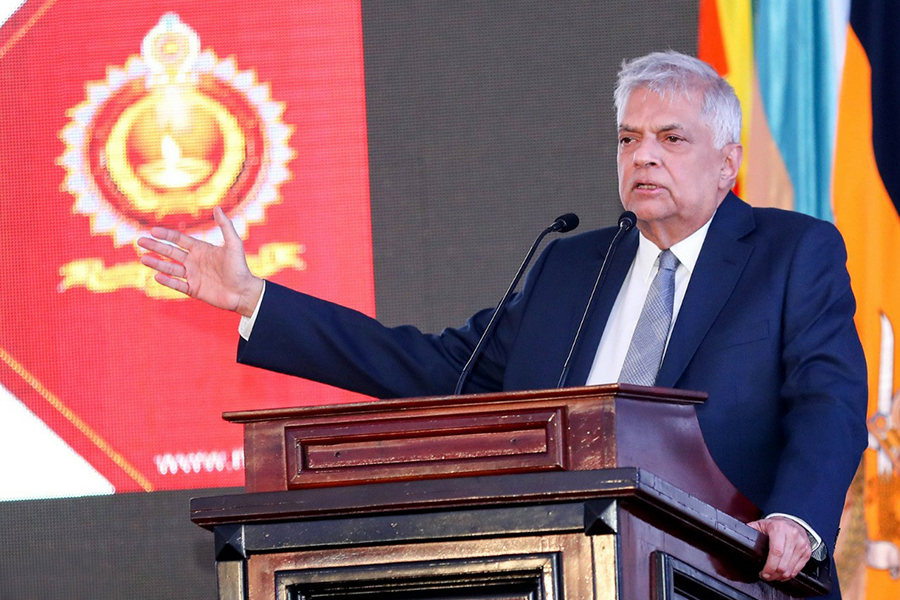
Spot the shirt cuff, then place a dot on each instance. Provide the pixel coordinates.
(245, 328)
(819, 551)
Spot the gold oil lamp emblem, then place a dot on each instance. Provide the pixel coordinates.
(165, 139)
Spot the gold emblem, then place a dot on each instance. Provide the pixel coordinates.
(165, 139)
(870, 536)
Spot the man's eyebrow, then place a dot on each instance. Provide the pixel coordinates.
(658, 129)
(668, 127)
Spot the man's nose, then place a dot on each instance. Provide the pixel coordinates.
(647, 153)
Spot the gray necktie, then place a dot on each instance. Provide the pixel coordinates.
(649, 340)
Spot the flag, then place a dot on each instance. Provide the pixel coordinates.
(819, 138)
(867, 211)
(781, 61)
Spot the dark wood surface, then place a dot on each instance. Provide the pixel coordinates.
(573, 429)
(651, 512)
(600, 492)
(520, 568)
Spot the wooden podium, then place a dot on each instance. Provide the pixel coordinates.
(583, 493)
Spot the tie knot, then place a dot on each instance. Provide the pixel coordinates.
(667, 261)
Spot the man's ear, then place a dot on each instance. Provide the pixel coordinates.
(734, 154)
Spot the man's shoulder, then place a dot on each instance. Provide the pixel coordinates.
(781, 223)
(786, 218)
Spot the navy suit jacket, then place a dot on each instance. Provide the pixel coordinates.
(766, 328)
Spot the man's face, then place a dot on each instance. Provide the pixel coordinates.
(671, 175)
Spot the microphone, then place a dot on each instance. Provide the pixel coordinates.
(562, 224)
(627, 221)
(565, 223)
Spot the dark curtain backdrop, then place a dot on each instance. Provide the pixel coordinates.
(486, 121)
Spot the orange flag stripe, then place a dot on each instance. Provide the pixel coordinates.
(863, 209)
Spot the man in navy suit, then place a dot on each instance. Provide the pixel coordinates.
(759, 312)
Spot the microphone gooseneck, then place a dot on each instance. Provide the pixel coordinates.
(562, 224)
(627, 221)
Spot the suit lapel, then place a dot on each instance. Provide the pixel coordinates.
(618, 267)
(719, 266)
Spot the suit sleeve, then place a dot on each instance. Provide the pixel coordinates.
(301, 335)
(824, 394)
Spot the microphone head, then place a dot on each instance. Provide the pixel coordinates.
(627, 220)
(566, 222)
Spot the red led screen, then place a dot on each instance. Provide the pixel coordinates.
(116, 116)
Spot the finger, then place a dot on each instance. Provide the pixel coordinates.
(803, 559)
(166, 250)
(228, 231)
(179, 285)
(785, 565)
(776, 553)
(795, 551)
(170, 235)
(803, 555)
(163, 266)
(792, 563)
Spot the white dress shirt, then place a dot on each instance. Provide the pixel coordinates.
(245, 327)
(627, 310)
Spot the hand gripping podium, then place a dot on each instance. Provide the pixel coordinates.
(596, 493)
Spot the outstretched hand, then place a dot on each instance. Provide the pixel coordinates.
(217, 275)
(789, 548)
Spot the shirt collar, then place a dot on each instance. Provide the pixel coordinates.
(687, 251)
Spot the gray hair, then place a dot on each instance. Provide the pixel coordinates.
(671, 73)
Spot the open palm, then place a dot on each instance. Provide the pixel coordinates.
(217, 275)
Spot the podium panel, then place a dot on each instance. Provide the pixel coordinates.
(546, 567)
(587, 493)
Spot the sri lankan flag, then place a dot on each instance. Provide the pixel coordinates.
(819, 83)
